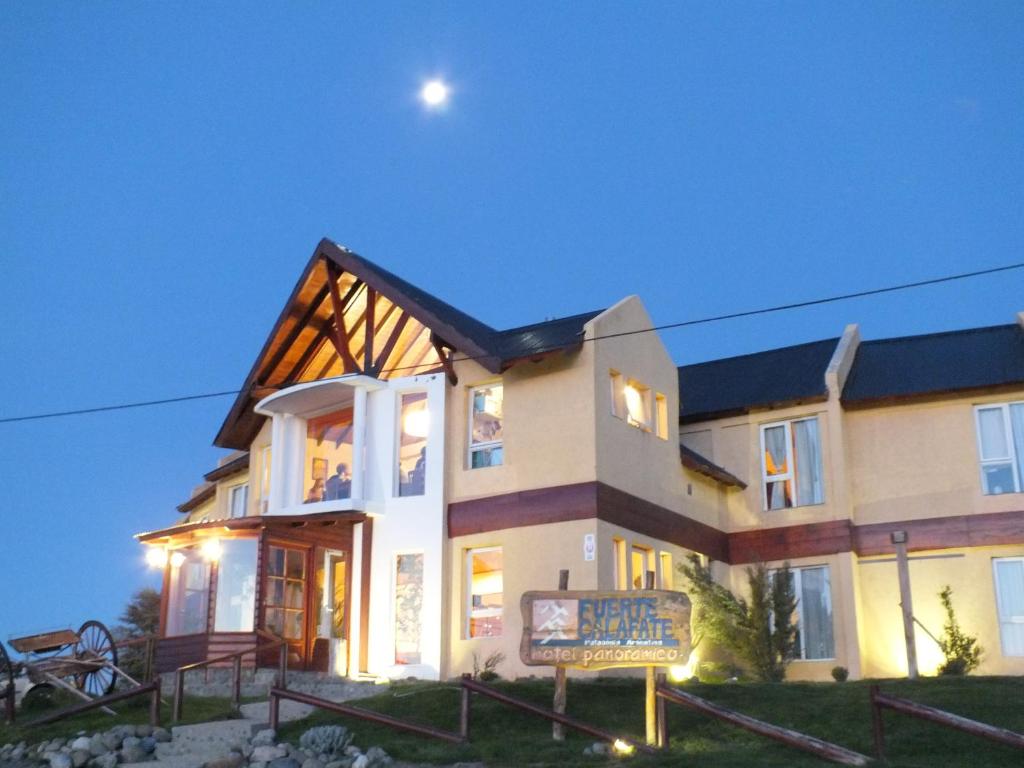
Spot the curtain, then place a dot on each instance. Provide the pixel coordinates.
(807, 444)
(1017, 424)
(1010, 601)
(816, 613)
(775, 464)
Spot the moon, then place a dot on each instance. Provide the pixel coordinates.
(435, 93)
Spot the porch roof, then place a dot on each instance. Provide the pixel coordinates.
(253, 523)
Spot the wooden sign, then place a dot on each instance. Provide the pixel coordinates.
(598, 630)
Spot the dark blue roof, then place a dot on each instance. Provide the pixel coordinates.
(529, 340)
(737, 384)
(936, 363)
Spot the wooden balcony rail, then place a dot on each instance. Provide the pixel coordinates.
(236, 671)
(815, 746)
(276, 694)
(152, 688)
(470, 685)
(880, 701)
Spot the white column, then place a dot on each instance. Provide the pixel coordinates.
(355, 599)
(358, 444)
(277, 473)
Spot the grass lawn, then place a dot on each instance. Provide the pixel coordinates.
(135, 711)
(836, 712)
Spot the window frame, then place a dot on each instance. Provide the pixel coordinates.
(650, 564)
(396, 454)
(232, 491)
(396, 557)
(474, 447)
(485, 613)
(1011, 458)
(797, 572)
(999, 617)
(789, 476)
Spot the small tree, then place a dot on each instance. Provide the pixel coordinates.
(760, 632)
(141, 617)
(962, 652)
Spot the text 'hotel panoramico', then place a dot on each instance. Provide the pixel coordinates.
(402, 472)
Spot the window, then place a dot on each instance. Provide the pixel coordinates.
(408, 608)
(236, 586)
(791, 464)
(619, 564)
(485, 591)
(263, 500)
(188, 604)
(643, 561)
(414, 426)
(1009, 577)
(1001, 447)
(286, 592)
(666, 570)
(485, 426)
(813, 613)
(239, 500)
(328, 457)
(638, 405)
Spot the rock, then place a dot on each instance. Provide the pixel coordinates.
(247, 751)
(264, 738)
(257, 764)
(55, 745)
(266, 753)
(80, 757)
(132, 753)
(112, 740)
(235, 761)
(142, 731)
(97, 746)
(378, 757)
(130, 742)
(352, 751)
(284, 762)
(162, 735)
(339, 764)
(148, 744)
(361, 762)
(312, 763)
(82, 742)
(108, 760)
(59, 760)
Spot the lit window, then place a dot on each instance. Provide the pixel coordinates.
(328, 457)
(414, 425)
(485, 426)
(236, 586)
(408, 608)
(485, 591)
(619, 564)
(1001, 447)
(643, 561)
(239, 500)
(666, 570)
(638, 405)
(1009, 576)
(263, 498)
(813, 613)
(188, 602)
(791, 464)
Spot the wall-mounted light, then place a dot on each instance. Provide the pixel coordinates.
(177, 559)
(416, 423)
(156, 557)
(212, 549)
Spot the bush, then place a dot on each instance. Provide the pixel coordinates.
(489, 672)
(839, 674)
(760, 633)
(962, 652)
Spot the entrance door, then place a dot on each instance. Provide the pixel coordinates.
(285, 603)
(334, 614)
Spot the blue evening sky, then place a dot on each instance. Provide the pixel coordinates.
(166, 170)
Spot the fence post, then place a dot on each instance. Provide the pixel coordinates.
(282, 667)
(558, 703)
(154, 704)
(148, 670)
(179, 695)
(236, 681)
(877, 726)
(660, 714)
(464, 712)
(275, 704)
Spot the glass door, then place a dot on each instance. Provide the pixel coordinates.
(285, 602)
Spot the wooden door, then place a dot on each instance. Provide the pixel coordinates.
(286, 605)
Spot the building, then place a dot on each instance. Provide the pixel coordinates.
(401, 473)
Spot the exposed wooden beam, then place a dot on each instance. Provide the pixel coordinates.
(340, 337)
(446, 361)
(309, 354)
(293, 334)
(389, 345)
(371, 311)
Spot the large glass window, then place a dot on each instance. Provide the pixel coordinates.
(813, 613)
(485, 426)
(643, 561)
(414, 426)
(791, 464)
(236, 586)
(263, 497)
(188, 602)
(286, 592)
(408, 608)
(239, 500)
(1001, 447)
(485, 590)
(328, 457)
(1009, 576)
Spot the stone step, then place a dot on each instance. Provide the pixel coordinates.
(210, 740)
(259, 712)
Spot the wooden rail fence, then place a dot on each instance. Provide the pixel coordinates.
(152, 688)
(880, 701)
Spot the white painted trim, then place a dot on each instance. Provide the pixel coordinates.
(1011, 456)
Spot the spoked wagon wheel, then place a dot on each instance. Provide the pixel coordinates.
(96, 644)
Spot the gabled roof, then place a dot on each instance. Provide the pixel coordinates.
(540, 338)
(735, 385)
(695, 461)
(936, 363)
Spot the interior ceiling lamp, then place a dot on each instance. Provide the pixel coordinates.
(634, 402)
(416, 423)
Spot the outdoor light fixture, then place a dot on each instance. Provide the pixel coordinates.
(156, 557)
(623, 748)
(898, 537)
(177, 559)
(417, 423)
(212, 549)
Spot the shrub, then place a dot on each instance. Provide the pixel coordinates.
(839, 674)
(489, 671)
(962, 652)
(760, 633)
(329, 740)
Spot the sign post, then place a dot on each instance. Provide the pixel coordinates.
(557, 729)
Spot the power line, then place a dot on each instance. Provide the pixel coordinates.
(666, 326)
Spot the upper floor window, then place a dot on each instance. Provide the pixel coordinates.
(414, 426)
(485, 426)
(639, 405)
(263, 487)
(239, 500)
(791, 464)
(1001, 447)
(328, 457)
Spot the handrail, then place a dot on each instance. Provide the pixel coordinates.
(819, 747)
(152, 688)
(276, 694)
(128, 642)
(881, 700)
(236, 672)
(468, 684)
(150, 642)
